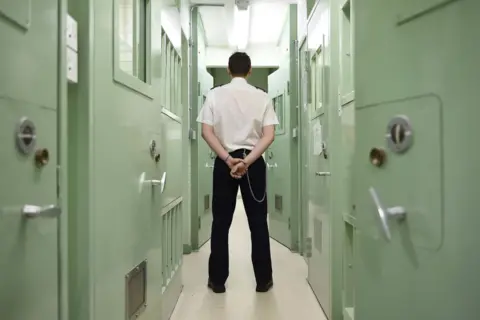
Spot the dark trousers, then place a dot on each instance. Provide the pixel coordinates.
(225, 189)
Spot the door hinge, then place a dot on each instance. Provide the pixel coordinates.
(295, 132)
(199, 88)
(308, 247)
(289, 225)
(190, 43)
(288, 87)
(199, 223)
(58, 182)
(192, 134)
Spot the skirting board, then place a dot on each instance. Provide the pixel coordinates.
(187, 249)
(171, 294)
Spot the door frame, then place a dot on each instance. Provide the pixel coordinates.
(301, 170)
(62, 162)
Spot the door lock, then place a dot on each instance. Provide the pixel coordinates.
(42, 156)
(324, 150)
(25, 136)
(153, 151)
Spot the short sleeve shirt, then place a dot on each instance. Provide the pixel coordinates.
(238, 112)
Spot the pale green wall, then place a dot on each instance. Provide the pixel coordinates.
(258, 78)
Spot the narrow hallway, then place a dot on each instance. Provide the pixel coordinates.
(290, 298)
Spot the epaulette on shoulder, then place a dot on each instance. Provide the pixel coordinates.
(217, 86)
(261, 89)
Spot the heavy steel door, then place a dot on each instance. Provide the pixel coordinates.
(206, 160)
(278, 160)
(29, 248)
(416, 163)
(319, 179)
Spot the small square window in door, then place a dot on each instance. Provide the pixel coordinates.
(136, 290)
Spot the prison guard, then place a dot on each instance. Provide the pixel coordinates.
(261, 89)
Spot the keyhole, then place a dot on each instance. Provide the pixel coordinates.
(377, 157)
(42, 156)
(398, 133)
(27, 135)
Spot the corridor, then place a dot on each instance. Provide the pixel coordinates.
(290, 298)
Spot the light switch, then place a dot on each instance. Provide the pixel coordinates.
(72, 66)
(72, 33)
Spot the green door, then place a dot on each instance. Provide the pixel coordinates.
(202, 157)
(206, 159)
(278, 161)
(319, 215)
(416, 165)
(29, 256)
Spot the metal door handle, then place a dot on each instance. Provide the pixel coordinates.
(323, 174)
(209, 165)
(384, 214)
(163, 181)
(153, 182)
(160, 182)
(33, 211)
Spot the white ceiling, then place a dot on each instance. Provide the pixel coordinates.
(218, 23)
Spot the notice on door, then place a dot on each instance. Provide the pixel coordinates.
(317, 139)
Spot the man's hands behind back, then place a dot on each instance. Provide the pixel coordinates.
(237, 167)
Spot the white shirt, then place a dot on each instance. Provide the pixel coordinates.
(238, 112)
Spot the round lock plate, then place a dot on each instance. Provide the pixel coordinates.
(399, 134)
(25, 136)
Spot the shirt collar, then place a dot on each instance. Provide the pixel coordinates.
(238, 80)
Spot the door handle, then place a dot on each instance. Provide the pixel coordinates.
(153, 182)
(160, 182)
(209, 165)
(323, 174)
(163, 181)
(384, 214)
(33, 211)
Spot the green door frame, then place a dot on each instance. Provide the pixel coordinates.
(302, 141)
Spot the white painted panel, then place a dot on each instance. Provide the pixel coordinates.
(215, 24)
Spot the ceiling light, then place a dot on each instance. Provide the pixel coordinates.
(241, 27)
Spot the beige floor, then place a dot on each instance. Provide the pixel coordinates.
(290, 299)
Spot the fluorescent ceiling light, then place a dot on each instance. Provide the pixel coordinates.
(241, 27)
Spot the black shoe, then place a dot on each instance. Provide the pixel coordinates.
(216, 288)
(265, 287)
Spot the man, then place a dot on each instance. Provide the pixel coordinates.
(238, 123)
